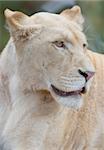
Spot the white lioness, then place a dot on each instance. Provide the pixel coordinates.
(51, 86)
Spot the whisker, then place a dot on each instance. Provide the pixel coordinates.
(72, 82)
(87, 28)
(71, 79)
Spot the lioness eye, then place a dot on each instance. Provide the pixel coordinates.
(59, 44)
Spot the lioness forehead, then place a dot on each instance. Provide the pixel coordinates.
(53, 20)
(49, 19)
(59, 22)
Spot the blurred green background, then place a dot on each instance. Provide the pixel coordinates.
(93, 11)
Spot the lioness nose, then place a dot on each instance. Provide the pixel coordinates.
(86, 74)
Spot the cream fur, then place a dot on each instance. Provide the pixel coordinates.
(33, 117)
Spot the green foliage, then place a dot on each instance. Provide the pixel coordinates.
(94, 21)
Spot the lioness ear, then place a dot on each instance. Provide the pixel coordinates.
(15, 19)
(19, 24)
(74, 14)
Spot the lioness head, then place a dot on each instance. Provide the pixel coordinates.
(52, 54)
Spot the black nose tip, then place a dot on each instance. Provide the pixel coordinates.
(86, 74)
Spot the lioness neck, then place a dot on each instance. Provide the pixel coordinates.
(41, 102)
(8, 59)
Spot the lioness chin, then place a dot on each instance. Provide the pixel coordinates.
(51, 85)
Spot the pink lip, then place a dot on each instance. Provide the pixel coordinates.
(65, 94)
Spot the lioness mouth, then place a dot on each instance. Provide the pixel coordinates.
(65, 94)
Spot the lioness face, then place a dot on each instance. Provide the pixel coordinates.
(52, 54)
